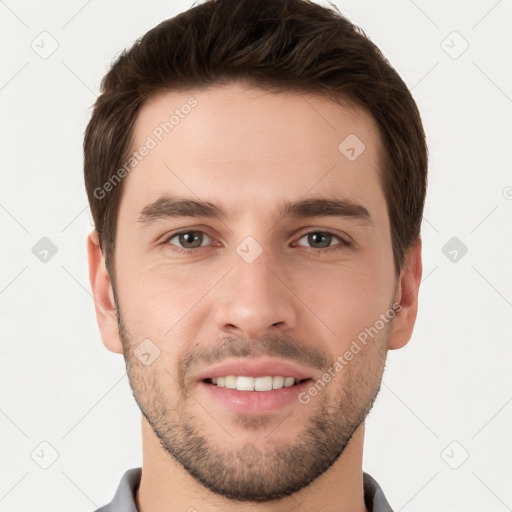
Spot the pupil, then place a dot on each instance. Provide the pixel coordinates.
(188, 239)
(316, 238)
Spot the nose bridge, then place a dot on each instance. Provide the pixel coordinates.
(254, 300)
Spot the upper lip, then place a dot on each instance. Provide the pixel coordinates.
(255, 368)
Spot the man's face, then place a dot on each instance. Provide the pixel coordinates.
(257, 293)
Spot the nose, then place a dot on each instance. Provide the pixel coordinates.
(255, 299)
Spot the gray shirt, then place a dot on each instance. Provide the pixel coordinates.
(124, 499)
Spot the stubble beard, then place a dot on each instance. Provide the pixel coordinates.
(249, 472)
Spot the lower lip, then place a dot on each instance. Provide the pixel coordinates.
(255, 402)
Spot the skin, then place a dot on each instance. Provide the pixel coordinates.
(247, 150)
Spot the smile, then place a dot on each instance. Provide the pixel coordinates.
(245, 383)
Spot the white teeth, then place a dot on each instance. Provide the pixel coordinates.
(244, 383)
(263, 384)
(277, 382)
(289, 381)
(230, 382)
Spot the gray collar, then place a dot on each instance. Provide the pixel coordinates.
(124, 499)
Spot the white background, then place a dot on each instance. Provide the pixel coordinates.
(451, 383)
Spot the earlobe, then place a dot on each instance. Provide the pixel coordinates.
(103, 295)
(407, 296)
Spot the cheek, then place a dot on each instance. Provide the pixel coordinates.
(348, 299)
(156, 297)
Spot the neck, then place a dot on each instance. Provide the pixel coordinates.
(166, 485)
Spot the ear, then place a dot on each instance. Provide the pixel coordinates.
(407, 295)
(103, 295)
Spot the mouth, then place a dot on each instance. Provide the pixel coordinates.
(254, 385)
(247, 383)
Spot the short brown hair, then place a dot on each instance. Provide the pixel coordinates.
(279, 45)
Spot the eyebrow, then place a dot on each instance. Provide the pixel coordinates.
(171, 207)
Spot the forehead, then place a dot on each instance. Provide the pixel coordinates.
(237, 141)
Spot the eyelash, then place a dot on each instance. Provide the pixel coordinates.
(342, 242)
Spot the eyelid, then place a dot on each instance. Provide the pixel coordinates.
(187, 229)
(343, 240)
(167, 239)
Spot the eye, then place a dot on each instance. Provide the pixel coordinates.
(189, 239)
(321, 240)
